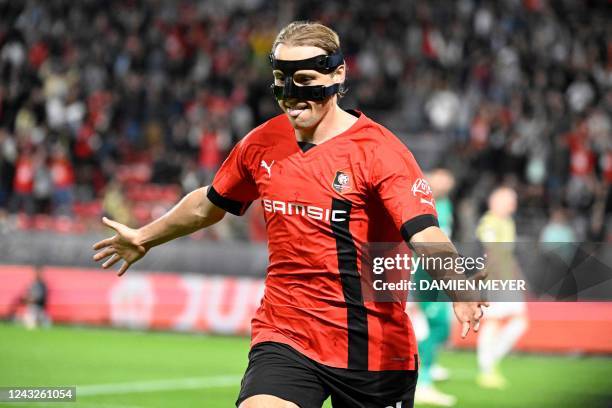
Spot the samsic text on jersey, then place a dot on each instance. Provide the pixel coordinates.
(320, 207)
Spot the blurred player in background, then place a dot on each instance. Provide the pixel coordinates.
(35, 302)
(507, 321)
(330, 181)
(437, 315)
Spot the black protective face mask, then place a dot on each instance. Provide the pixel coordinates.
(324, 64)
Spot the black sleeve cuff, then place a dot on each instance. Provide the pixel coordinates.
(227, 204)
(417, 224)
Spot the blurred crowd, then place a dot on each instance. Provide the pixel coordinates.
(118, 107)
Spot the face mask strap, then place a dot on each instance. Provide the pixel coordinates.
(305, 93)
(321, 63)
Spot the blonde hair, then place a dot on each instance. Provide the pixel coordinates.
(306, 33)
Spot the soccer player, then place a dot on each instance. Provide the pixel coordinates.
(329, 181)
(35, 301)
(436, 314)
(506, 321)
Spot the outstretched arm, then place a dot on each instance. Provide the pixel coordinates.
(193, 212)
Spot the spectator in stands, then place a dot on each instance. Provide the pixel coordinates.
(558, 229)
(507, 89)
(558, 244)
(8, 156)
(23, 183)
(63, 181)
(43, 182)
(115, 204)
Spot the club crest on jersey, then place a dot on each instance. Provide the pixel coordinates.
(342, 182)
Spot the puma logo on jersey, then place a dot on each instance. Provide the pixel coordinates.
(268, 167)
(428, 202)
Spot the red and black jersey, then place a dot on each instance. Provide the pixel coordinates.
(321, 206)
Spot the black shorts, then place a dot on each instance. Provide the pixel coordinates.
(279, 370)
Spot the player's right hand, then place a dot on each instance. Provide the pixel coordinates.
(122, 245)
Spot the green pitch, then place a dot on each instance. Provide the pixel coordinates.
(126, 369)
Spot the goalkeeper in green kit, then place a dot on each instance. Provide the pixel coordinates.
(432, 320)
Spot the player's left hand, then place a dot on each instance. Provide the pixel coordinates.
(469, 315)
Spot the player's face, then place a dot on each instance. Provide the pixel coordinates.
(305, 114)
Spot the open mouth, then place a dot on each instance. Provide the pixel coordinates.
(295, 111)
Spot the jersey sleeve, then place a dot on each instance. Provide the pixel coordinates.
(233, 188)
(399, 183)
